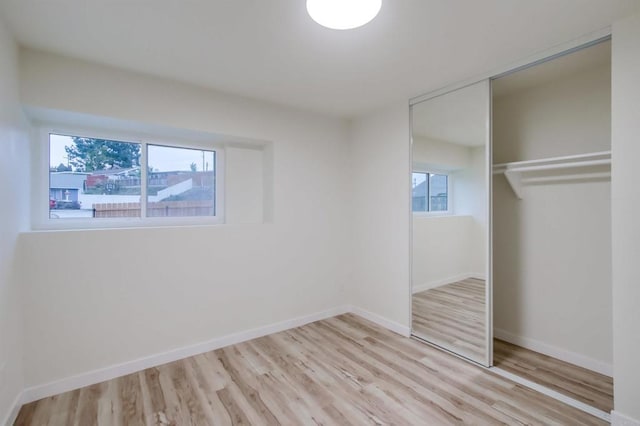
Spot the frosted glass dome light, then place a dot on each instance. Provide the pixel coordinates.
(343, 14)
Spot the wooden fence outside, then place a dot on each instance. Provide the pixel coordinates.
(159, 209)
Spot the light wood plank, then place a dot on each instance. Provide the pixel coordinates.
(340, 371)
(584, 385)
(453, 316)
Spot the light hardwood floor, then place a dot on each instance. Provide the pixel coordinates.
(453, 316)
(576, 382)
(340, 371)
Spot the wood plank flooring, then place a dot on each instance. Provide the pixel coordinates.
(576, 382)
(340, 371)
(453, 316)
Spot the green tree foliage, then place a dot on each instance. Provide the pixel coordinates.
(87, 154)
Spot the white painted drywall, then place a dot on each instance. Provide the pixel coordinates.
(97, 298)
(580, 123)
(470, 198)
(453, 247)
(380, 163)
(441, 250)
(440, 155)
(552, 249)
(14, 193)
(244, 185)
(625, 206)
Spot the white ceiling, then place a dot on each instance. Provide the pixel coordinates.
(272, 50)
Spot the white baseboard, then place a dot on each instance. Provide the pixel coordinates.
(100, 375)
(15, 409)
(553, 351)
(445, 281)
(382, 321)
(619, 419)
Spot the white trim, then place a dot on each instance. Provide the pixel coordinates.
(409, 211)
(15, 409)
(619, 419)
(107, 373)
(553, 351)
(397, 328)
(40, 220)
(445, 281)
(553, 394)
(436, 213)
(488, 258)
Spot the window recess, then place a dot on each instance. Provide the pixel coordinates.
(96, 182)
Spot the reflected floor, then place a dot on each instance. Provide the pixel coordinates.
(453, 316)
(575, 382)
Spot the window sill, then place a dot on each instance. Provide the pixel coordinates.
(433, 214)
(57, 225)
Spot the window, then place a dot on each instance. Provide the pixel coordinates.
(119, 180)
(430, 192)
(180, 182)
(88, 177)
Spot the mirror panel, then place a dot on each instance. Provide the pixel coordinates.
(450, 203)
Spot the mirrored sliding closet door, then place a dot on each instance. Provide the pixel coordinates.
(450, 203)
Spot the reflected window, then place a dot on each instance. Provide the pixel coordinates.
(430, 192)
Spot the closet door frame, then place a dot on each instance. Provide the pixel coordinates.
(535, 59)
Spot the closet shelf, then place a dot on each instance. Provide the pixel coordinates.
(596, 165)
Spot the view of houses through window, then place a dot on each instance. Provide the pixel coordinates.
(430, 192)
(101, 178)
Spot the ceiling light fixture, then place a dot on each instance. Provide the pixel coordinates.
(343, 14)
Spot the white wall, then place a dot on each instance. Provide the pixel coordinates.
(380, 164)
(97, 298)
(470, 195)
(625, 206)
(443, 155)
(579, 123)
(244, 185)
(14, 190)
(552, 249)
(450, 248)
(441, 250)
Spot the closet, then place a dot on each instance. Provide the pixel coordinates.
(537, 140)
(552, 294)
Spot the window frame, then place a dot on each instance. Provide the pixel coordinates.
(40, 201)
(430, 213)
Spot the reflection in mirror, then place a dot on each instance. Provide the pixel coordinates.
(450, 217)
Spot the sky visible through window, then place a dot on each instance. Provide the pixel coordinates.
(162, 159)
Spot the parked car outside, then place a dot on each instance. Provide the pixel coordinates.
(67, 204)
(52, 204)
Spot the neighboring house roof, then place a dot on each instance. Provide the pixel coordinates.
(114, 171)
(67, 179)
(438, 187)
(420, 189)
